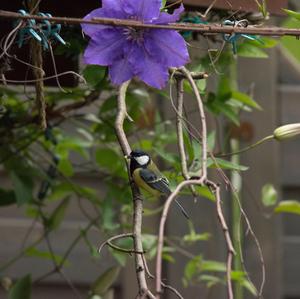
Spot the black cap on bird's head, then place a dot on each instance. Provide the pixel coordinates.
(137, 153)
(138, 159)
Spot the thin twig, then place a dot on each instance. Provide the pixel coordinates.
(202, 120)
(179, 116)
(166, 286)
(200, 28)
(161, 232)
(121, 236)
(230, 250)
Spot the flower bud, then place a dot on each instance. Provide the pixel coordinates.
(287, 131)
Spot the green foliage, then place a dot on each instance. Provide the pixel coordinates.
(81, 142)
(199, 270)
(7, 197)
(269, 195)
(34, 252)
(58, 215)
(288, 206)
(289, 43)
(105, 281)
(22, 187)
(21, 289)
(94, 74)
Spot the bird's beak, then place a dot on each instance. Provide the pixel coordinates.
(127, 157)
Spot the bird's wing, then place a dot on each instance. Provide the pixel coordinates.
(160, 184)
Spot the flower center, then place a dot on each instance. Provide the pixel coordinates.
(134, 34)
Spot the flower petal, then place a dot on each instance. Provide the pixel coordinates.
(165, 18)
(105, 12)
(105, 47)
(120, 71)
(147, 69)
(143, 10)
(168, 47)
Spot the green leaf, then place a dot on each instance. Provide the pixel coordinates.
(105, 281)
(293, 14)
(34, 252)
(7, 197)
(108, 158)
(288, 206)
(169, 258)
(290, 43)
(163, 4)
(108, 214)
(205, 192)
(269, 195)
(21, 289)
(224, 164)
(120, 257)
(264, 42)
(194, 237)
(251, 51)
(213, 266)
(167, 156)
(210, 280)
(65, 167)
(245, 99)
(211, 141)
(92, 118)
(94, 74)
(220, 106)
(58, 215)
(192, 267)
(22, 187)
(249, 286)
(60, 192)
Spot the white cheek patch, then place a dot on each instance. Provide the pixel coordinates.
(143, 160)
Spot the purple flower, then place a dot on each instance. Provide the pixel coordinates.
(128, 52)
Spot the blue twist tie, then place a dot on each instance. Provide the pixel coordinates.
(233, 38)
(42, 31)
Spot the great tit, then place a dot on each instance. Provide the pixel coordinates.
(147, 176)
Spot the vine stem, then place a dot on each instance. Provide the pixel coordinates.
(200, 28)
(37, 60)
(267, 138)
(122, 114)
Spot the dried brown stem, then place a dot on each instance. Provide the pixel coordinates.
(202, 119)
(230, 250)
(200, 28)
(137, 200)
(179, 126)
(163, 284)
(202, 173)
(121, 236)
(37, 60)
(161, 232)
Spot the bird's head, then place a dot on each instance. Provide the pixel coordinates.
(139, 158)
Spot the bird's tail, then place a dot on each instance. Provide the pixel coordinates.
(184, 212)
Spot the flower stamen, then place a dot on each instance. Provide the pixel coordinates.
(134, 34)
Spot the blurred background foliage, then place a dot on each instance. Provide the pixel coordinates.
(80, 139)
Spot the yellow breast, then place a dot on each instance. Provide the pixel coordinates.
(141, 183)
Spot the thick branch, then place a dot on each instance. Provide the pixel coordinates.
(200, 28)
(137, 201)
